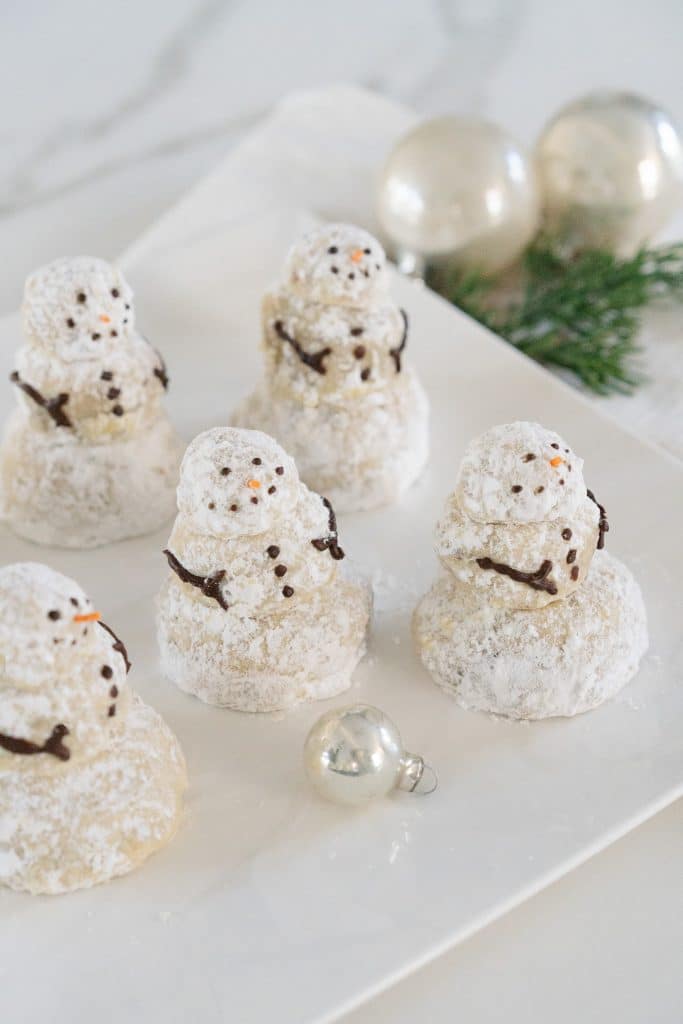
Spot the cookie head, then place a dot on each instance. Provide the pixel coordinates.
(519, 472)
(338, 264)
(78, 308)
(41, 613)
(236, 482)
(61, 677)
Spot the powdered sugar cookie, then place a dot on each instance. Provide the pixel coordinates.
(527, 622)
(260, 610)
(338, 392)
(91, 780)
(89, 455)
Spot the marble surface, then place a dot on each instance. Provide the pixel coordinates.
(113, 115)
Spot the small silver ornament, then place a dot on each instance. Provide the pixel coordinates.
(610, 170)
(354, 754)
(457, 190)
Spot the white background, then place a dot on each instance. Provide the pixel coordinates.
(111, 111)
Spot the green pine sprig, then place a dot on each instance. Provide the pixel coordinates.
(580, 314)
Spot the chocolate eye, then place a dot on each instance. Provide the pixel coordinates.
(81, 297)
(74, 601)
(71, 322)
(516, 488)
(256, 461)
(233, 508)
(367, 251)
(225, 471)
(115, 292)
(114, 334)
(212, 505)
(54, 615)
(351, 277)
(279, 470)
(96, 336)
(272, 489)
(335, 270)
(332, 250)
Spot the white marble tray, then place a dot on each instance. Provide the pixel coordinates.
(271, 905)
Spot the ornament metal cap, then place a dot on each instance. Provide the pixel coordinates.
(354, 754)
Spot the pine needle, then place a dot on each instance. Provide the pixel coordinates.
(581, 315)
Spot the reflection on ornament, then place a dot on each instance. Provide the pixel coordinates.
(354, 754)
(458, 190)
(610, 170)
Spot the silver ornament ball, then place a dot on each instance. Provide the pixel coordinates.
(457, 190)
(610, 170)
(354, 754)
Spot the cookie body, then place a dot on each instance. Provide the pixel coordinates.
(66, 827)
(265, 662)
(562, 659)
(66, 492)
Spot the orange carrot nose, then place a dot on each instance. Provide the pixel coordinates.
(88, 617)
(105, 319)
(254, 484)
(556, 461)
(357, 255)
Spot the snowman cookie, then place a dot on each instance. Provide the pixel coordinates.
(260, 609)
(532, 618)
(91, 779)
(339, 392)
(89, 455)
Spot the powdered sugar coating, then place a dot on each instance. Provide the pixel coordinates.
(236, 483)
(563, 659)
(337, 264)
(72, 306)
(519, 473)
